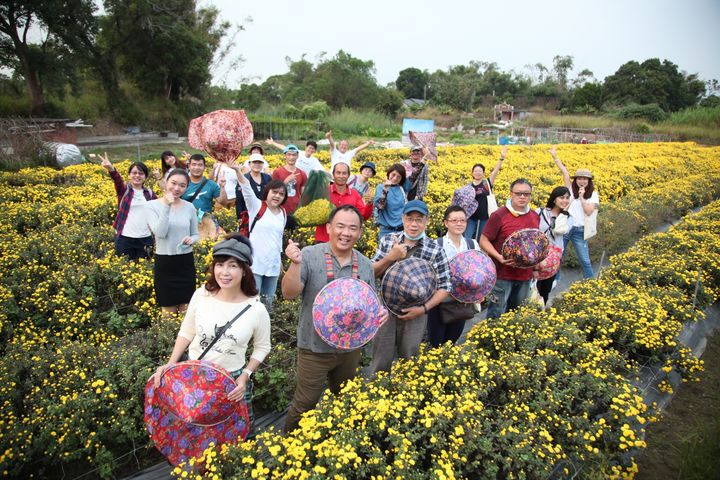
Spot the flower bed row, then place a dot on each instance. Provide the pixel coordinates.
(530, 395)
(79, 326)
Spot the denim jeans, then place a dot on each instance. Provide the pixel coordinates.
(266, 286)
(576, 236)
(474, 228)
(507, 295)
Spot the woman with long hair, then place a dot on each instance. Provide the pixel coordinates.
(389, 201)
(173, 221)
(132, 235)
(556, 207)
(584, 204)
(229, 289)
(168, 161)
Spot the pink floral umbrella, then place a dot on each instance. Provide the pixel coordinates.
(222, 133)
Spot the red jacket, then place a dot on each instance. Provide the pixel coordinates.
(349, 197)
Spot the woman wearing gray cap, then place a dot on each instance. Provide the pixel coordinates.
(222, 318)
(583, 210)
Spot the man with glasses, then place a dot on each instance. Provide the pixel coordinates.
(513, 284)
(406, 331)
(294, 178)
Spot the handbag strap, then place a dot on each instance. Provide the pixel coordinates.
(489, 187)
(197, 192)
(551, 226)
(223, 330)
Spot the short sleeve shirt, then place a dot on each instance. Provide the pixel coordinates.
(501, 225)
(294, 188)
(313, 275)
(204, 200)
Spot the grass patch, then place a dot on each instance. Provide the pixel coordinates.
(365, 123)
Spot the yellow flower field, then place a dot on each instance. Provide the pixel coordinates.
(81, 331)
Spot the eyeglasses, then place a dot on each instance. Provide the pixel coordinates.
(522, 194)
(457, 220)
(415, 220)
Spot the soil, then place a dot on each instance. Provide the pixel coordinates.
(685, 442)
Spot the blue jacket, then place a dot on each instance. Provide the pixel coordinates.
(391, 215)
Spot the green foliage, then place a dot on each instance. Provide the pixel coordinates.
(653, 82)
(412, 82)
(698, 116)
(166, 52)
(389, 101)
(365, 123)
(650, 112)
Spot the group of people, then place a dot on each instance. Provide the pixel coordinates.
(247, 265)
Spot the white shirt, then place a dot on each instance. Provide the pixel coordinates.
(266, 236)
(338, 157)
(451, 250)
(308, 164)
(231, 180)
(136, 223)
(206, 314)
(576, 210)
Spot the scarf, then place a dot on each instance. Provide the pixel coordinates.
(516, 213)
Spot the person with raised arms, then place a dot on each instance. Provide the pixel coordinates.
(306, 161)
(341, 152)
(132, 235)
(266, 223)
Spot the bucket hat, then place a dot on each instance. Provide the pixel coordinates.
(190, 410)
(526, 247)
(472, 275)
(408, 283)
(583, 172)
(346, 313)
(550, 266)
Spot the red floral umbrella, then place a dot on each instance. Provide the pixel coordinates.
(222, 133)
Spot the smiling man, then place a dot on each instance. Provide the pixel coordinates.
(406, 331)
(310, 270)
(513, 284)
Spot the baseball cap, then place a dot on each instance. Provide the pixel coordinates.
(415, 206)
(291, 148)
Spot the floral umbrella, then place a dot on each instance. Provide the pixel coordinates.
(222, 133)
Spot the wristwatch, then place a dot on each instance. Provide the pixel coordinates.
(248, 372)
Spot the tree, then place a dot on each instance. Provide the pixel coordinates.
(166, 48)
(412, 82)
(562, 65)
(346, 81)
(17, 17)
(653, 81)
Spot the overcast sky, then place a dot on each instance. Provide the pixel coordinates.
(600, 35)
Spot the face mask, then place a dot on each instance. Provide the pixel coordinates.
(414, 239)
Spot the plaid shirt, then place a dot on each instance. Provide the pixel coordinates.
(125, 195)
(429, 250)
(421, 180)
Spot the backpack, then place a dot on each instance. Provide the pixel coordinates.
(246, 229)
